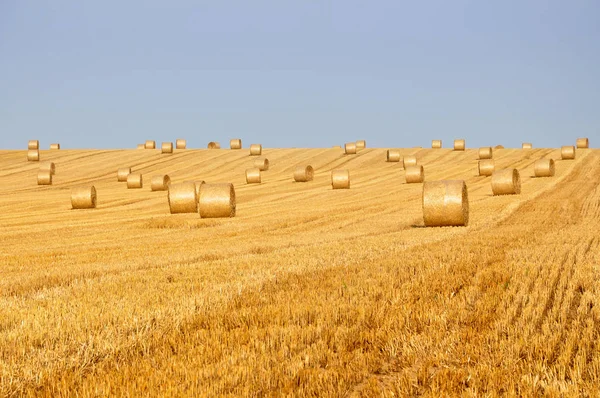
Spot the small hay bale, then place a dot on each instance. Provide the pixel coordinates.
(459, 145)
(55, 146)
(303, 174)
(485, 152)
(544, 168)
(183, 198)
(33, 155)
(583, 143)
(122, 174)
(409, 161)
(436, 144)
(216, 200)
(445, 204)
(44, 177)
(340, 179)
(166, 147)
(235, 143)
(160, 183)
(486, 167)
(33, 144)
(180, 143)
(392, 156)
(350, 148)
(83, 197)
(361, 144)
(48, 166)
(567, 152)
(213, 145)
(526, 145)
(135, 181)
(197, 184)
(141, 146)
(253, 176)
(499, 147)
(255, 150)
(150, 144)
(414, 174)
(262, 164)
(506, 182)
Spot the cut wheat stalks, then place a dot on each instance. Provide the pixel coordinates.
(213, 145)
(141, 146)
(44, 177)
(150, 144)
(486, 167)
(506, 182)
(183, 198)
(253, 176)
(340, 179)
(361, 144)
(583, 143)
(135, 181)
(392, 156)
(544, 168)
(235, 143)
(197, 184)
(436, 144)
(216, 200)
(303, 174)
(122, 174)
(180, 143)
(567, 152)
(262, 164)
(485, 152)
(255, 150)
(33, 155)
(83, 197)
(33, 144)
(414, 174)
(160, 183)
(350, 148)
(445, 204)
(526, 145)
(54, 146)
(48, 166)
(459, 145)
(166, 147)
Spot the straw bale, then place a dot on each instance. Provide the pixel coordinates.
(262, 164)
(134, 181)
(183, 198)
(340, 179)
(409, 161)
(526, 145)
(141, 146)
(166, 147)
(253, 176)
(48, 166)
(361, 144)
(459, 145)
(235, 143)
(393, 156)
(180, 143)
(350, 148)
(54, 146)
(506, 182)
(583, 143)
(414, 174)
(213, 145)
(122, 174)
(303, 173)
(216, 200)
(160, 183)
(33, 144)
(499, 147)
(44, 177)
(33, 155)
(486, 167)
(255, 150)
(83, 197)
(445, 203)
(544, 168)
(567, 152)
(436, 144)
(485, 152)
(150, 144)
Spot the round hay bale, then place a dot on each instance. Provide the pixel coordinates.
(436, 144)
(544, 168)
(166, 147)
(235, 143)
(409, 161)
(567, 152)
(486, 167)
(506, 182)
(44, 177)
(414, 174)
(160, 183)
(216, 200)
(340, 179)
(180, 143)
(141, 146)
(393, 156)
(150, 144)
(183, 198)
(135, 181)
(499, 147)
(197, 184)
(83, 197)
(303, 174)
(55, 146)
(253, 176)
(526, 145)
(583, 143)
(361, 144)
(122, 174)
(485, 152)
(33, 155)
(48, 166)
(350, 148)
(255, 150)
(445, 204)
(213, 145)
(262, 164)
(33, 144)
(459, 145)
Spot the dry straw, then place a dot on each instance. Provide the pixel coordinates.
(216, 200)
(393, 156)
(44, 177)
(459, 145)
(160, 183)
(255, 150)
(150, 144)
(48, 166)
(180, 143)
(235, 143)
(33, 144)
(122, 174)
(567, 152)
(583, 143)
(54, 146)
(340, 179)
(445, 204)
(506, 182)
(544, 168)
(166, 147)
(197, 184)
(414, 174)
(409, 161)
(303, 173)
(183, 198)
(213, 145)
(134, 181)
(485, 152)
(262, 164)
(361, 144)
(436, 144)
(83, 197)
(33, 155)
(526, 145)
(350, 148)
(486, 167)
(141, 146)
(253, 176)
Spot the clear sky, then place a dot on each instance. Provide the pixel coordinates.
(304, 73)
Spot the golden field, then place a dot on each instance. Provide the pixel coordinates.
(308, 291)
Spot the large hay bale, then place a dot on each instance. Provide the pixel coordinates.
(183, 198)
(414, 174)
(160, 183)
(303, 173)
(33, 155)
(526, 145)
(262, 164)
(459, 145)
(567, 152)
(350, 148)
(583, 143)
(506, 182)
(48, 166)
(135, 181)
(409, 161)
(235, 143)
(141, 146)
(44, 177)
(54, 146)
(166, 147)
(436, 144)
(180, 143)
(122, 174)
(83, 197)
(197, 184)
(255, 150)
(485, 152)
(150, 144)
(361, 144)
(216, 200)
(33, 144)
(340, 179)
(253, 176)
(544, 168)
(486, 167)
(393, 156)
(213, 145)
(445, 204)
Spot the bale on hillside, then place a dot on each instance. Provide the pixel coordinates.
(180, 143)
(340, 179)
(583, 143)
(506, 182)
(350, 148)
(54, 146)
(393, 156)
(160, 183)
(544, 168)
(48, 166)
(235, 143)
(409, 161)
(213, 145)
(216, 200)
(567, 152)
(499, 147)
(150, 144)
(33, 155)
(255, 150)
(459, 145)
(33, 144)
(262, 164)
(166, 147)
(436, 144)
(414, 174)
(141, 146)
(183, 198)
(303, 173)
(486, 167)
(253, 176)
(526, 145)
(361, 144)
(197, 184)
(134, 181)
(445, 204)
(83, 197)
(44, 177)
(122, 174)
(485, 152)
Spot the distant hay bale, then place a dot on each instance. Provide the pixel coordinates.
(393, 156)
(485, 152)
(486, 167)
(361, 144)
(544, 168)
(216, 200)
(213, 145)
(253, 176)
(122, 174)
(135, 181)
(33, 155)
(350, 148)
(48, 166)
(499, 147)
(436, 144)
(583, 143)
(262, 164)
(197, 184)
(445, 204)
(235, 143)
(160, 183)
(255, 150)
(166, 147)
(33, 144)
(567, 152)
(180, 143)
(409, 161)
(183, 198)
(526, 145)
(303, 174)
(340, 179)
(459, 145)
(141, 146)
(44, 177)
(506, 182)
(83, 197)
(414, 174)
(150, 144)
(55, 146)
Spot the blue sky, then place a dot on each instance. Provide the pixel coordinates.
(108, 74)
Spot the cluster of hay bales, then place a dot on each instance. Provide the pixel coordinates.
(150, 144)
(262, 164)
(414, 174)
(255, 150)
(393, 156)
(180, 143)
(486, 167)
(33, 151)
(445, 204)
(485, 152)
(235, 143)
(54, 146)
(526, 145)
(544, 168)
(436, 144)
(459, 145)
(567, 152)
(340, 179)
(253, 176)
(506, 182)
(166, 147)
(213, 145)
(583, 143)
(135, 181)
(160, 183)
(303, 173)
(210, 200)
(350, 148)
(83, 197)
